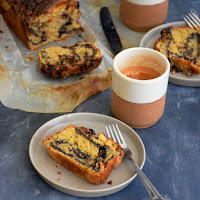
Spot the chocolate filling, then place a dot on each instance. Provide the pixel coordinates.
(85, 134)
(65, 16)
(32, 31)
(103, 151)
(43, 38)
(65, 57)
(44, 55)
(81, 154)
(96, 166)
(59, 72)
(63, 28)
(72, 59)
(78, 153)
(187, 50)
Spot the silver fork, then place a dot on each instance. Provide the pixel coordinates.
(114, 133)
(192, 20)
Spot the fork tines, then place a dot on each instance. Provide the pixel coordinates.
(192, 20)
(114, 133)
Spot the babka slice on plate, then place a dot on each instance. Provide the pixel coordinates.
(80, 150)
(181, 45)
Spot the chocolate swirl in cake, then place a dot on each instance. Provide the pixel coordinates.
(73, 151)
(181, 45)
(60, 62)
(80, 150)
(38, 22)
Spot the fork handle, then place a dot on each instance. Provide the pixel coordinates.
(153, 193)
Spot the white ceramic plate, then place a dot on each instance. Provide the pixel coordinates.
(70, 183)
(149, 40)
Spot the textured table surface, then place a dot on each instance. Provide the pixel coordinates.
(172, 145)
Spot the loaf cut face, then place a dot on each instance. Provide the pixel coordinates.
(61, 61)
(84, 153)
(38, 22)
(181, 45)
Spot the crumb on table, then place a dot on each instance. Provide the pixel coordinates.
(30, 57)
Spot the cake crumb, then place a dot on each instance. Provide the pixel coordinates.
(81, 29)
(30, 57)
(58, 179)
(101, 33)
(59, 172)
(173, 72)
(112, 27)
(27, 60)
(109, 182)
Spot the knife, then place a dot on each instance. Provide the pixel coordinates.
(110, 30)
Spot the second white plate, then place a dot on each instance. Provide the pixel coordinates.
(69, 183)
(149, 40)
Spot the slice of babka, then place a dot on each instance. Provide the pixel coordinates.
(38, 22)
(84, 153)
(181, 45)
(61, 61)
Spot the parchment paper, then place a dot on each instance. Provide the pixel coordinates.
(23, 87)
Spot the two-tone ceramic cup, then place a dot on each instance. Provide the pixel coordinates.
(137, 98)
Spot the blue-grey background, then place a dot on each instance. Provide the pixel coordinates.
(172, 145)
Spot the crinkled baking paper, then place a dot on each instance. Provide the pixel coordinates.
(22, 86)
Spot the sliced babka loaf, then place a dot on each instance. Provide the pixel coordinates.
(181, 45)
(38, 22)
(84, 153)
(61, 61)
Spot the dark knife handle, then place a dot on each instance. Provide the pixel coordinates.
(110, 31)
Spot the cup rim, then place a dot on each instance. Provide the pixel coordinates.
(146, 3)
(166, 72)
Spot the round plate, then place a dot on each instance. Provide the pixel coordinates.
(70, 183)
(149, 40)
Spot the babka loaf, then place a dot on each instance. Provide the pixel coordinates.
(84, 153)
(181, 45)
(38, 22)
(61, 61)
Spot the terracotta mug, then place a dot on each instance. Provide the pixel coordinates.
(142, 15)
(139, 103)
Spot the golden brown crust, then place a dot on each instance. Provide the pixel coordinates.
(25, 12)
(85, 173)
(156, 45)
(94, 178)
(181, 45)
(17, 25)
(31, 9)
